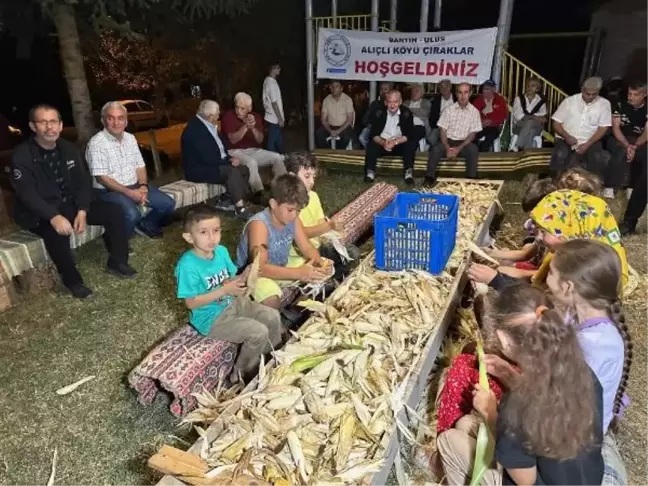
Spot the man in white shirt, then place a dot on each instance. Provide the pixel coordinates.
(274, 112)
(420, 108)
(337, 119)
(120, 176)
(458, 124)
(392, 133)
(529, 114)
(580, 122)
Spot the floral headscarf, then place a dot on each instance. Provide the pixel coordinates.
(573, 215)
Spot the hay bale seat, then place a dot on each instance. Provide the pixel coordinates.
(185, 361)
(492, 165)
(23, 251)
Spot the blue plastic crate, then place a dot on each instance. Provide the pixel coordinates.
(416, 231)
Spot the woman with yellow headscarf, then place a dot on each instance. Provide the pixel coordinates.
(561, 216)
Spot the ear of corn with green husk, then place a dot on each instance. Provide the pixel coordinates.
(485, 441)
(327, 404)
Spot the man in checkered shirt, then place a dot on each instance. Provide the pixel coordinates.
(459, 125)
(120, 174)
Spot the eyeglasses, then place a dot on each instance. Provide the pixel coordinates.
(46, 123)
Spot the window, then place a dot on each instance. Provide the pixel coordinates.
(144, 106)
(131, 107)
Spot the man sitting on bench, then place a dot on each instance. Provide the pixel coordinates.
(459, 125)
(337, 119)
(392, 132)
(54, 200)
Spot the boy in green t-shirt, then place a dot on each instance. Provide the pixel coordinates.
(315, 222)
(207, 282)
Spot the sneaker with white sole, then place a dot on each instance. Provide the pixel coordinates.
(629, 192)
(224, 205)
(370, 176)
(608, 193)
(409, 176)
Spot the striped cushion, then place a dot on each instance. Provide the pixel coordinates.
(186, 193)
(22, 250)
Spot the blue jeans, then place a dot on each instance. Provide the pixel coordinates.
(162, 206)
(275, 138)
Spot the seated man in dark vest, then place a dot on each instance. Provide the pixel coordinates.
(205, 159)
(529, 115)
(54, 199)
(392, 133)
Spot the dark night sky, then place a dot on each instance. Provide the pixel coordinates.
(40, 78)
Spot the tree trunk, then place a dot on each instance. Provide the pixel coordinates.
(73, 68)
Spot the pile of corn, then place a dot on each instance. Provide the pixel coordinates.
(324, 413)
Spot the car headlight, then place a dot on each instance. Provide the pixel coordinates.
(14, 130)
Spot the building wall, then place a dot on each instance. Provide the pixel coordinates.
(624, 47)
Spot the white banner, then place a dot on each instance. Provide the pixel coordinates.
(425, 57)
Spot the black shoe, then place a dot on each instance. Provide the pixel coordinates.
(224, 205)
(122, 270)
(80, 291)
(370, 176)
(627, 229)
(151, 233)
(409, 177)
(429, 182)
(242, 213)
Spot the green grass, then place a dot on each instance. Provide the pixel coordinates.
(103, 435)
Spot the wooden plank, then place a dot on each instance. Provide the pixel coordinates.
(189, 468)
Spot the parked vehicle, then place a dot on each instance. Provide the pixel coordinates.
(143, 116)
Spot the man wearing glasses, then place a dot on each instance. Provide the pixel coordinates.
(54, 200)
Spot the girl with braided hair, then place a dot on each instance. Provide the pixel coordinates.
(585, 277)
(548, 426)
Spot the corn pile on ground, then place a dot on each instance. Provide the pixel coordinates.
(323, 412)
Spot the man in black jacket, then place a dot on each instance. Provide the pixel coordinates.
(205, 159)
(392, 133)
(54, 199)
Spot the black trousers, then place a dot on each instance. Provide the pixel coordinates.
(321, 135)
(489, 134)
(101, 213)
(619, 173)
(469, 152)
(563, 157)
(639, 184)
(406, 150)
(235, 179)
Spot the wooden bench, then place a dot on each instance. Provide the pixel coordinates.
(23, 251)
(185, 361)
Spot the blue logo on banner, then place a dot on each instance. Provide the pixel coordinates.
(336, 70)
(337, 50)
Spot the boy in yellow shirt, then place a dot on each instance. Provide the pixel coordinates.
(315, 222)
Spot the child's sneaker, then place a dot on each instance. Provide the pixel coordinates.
(224, 205)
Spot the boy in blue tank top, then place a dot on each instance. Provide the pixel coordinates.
(274, 230)
(207, 282)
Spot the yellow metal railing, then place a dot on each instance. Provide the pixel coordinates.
(347, 22)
